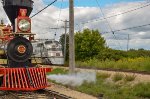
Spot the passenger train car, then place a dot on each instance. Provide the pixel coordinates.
(50, 51)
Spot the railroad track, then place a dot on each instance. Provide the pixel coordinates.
(41, 94)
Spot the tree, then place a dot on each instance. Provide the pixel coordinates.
(88, 44)
(62, 42)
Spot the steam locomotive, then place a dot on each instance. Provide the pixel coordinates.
(20, 73)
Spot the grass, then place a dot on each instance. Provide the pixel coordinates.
(129, 78)
(117, 77)
(103, 75)
(138, 64)
(58, 71)
(112, 90)
(142, 90)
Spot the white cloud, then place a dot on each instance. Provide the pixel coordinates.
(139, 37)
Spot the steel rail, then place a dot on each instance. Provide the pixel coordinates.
(41, 94)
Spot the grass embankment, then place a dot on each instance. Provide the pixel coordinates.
(117, 86)
(58, 71)
(138, 64)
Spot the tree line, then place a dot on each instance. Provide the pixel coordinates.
(90, 44)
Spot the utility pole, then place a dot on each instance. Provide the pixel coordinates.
(65, 40)
(128, 43)
(65, 27)
(71, 37)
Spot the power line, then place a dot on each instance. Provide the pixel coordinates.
(122, 29)
(58, 19)
(99, 18)
(43, 9)
(107, 22)
(128, 28)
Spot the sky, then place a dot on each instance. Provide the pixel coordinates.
(89, 3)
(86, 10)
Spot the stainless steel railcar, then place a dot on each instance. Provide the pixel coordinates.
(50, 51)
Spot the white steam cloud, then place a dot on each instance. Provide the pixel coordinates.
(76, 79)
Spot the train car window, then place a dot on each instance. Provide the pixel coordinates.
(55, 49)
(57, 54)
(56, 42)
(40, 45)
(48, 42)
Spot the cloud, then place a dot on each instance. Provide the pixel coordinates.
(139, 37)
(131, 19)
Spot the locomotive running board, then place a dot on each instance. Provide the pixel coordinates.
(24, 79)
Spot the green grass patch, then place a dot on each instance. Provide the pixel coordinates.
(138, 64)
(117, 77)
(142, 90)
(58, 71)
(112, 90)
(130, 77)
(103, 75)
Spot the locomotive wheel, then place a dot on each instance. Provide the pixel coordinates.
(19, 49)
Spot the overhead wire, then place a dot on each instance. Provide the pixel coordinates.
(58, 18)
(128, 28)
(43, 9)
(122, 13)
(108, 23)
(117, 15)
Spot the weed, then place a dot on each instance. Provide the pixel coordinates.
(58, 71)
(138, 64)
(117, 77)
(103, 75)
(142, 90)
(112, 90)
(130, 77)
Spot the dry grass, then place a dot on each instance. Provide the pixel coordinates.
(117, 77)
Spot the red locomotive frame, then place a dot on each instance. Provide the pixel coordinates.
(15, 79)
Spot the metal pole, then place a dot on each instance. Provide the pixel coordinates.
(65, 41)
(71, 37)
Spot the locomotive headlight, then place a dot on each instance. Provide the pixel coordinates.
(24, 25)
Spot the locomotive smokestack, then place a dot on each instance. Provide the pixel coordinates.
(12, 7)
